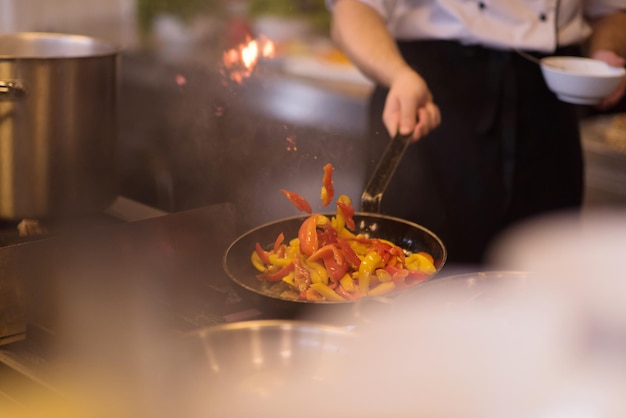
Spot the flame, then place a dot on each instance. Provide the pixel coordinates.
(250, 54)
(240, 61)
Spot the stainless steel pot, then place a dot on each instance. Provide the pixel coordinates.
(58, 128)
(258, 368)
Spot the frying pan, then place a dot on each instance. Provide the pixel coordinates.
(408, 235)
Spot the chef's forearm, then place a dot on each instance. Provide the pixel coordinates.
(609, 32)
(363, 36)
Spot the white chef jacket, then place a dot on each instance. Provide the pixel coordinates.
(537, 25)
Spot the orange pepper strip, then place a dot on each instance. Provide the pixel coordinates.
(279, 240)
(348, 212)
(348, 253)
(307, 235)
(334, 261)
(328, 190)
(298, 201)
(278, 275)
(263, 255)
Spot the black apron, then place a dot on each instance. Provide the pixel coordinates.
(506, 150)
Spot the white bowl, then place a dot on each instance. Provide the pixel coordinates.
(580, 80)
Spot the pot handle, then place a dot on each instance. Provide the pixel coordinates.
(11, 90)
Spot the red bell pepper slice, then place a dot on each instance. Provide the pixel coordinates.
(328, 190)
(380, 246)
(325, 251)
(263, 255)
(336, 269)
(398, 252)
(311, 295)
(345, 294)
(415, 277)
(278, 275)
(307, 234)
(382, 249)
(399, 278)
(348, 253)
(298, 201)
(279, 240)
(302, 276)
(398, 274)
(348, 214)
(333, 259)
(327, 235)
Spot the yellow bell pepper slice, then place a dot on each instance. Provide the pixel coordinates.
(347, 283)
(368, 265)
(327, 292)
(382, 289)
(318, 272)
(279, 261)
(257, 263)
(383, 275)
(340, 220)
(419, 262)
(289, 279)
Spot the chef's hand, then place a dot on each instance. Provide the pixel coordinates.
(409, 107)
(613, 60)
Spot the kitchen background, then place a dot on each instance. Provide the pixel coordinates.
(194, 135)
(191, 135)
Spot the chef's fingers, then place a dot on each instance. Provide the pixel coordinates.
(391, 115)
(408, 115)
(399, 114)
(408, 93)
(428, 118)
(610, 57)
(615, 97)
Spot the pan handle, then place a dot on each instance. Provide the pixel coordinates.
(11, 90)
(378, 181)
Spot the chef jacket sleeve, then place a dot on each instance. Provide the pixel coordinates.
(383, 7)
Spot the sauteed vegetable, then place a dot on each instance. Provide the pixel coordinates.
(327, 261)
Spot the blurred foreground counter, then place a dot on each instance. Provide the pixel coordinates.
(112, 294)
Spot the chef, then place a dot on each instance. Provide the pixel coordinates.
(495, 145)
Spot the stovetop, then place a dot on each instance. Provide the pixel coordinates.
(122, 210)
(138, 269)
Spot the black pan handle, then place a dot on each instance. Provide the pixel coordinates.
(378, 181)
